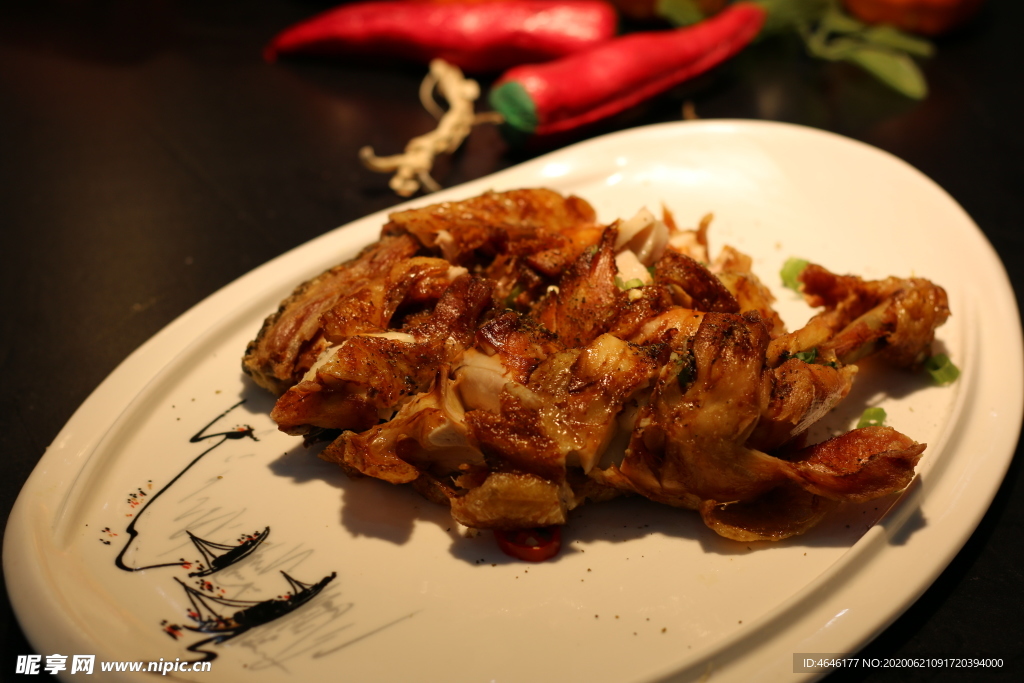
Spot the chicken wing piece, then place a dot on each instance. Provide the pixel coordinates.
(861, 465)
(894, 317)
(692, 442)
(292, 339)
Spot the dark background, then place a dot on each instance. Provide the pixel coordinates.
(148, 156)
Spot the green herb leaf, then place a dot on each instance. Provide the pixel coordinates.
(791, 270)
(510, 300)
(838, 21)
(896, 70)
(679, 12)
(872, 417)
(807, 356)
(895, 39)
(883, 51)
(941, 368)
(788, 14)
(835, 49)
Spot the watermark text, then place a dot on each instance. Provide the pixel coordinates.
(33, 665)
(818, 662)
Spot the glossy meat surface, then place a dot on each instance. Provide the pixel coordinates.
(512, 358)
(292, 338)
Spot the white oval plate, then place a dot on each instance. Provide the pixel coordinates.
(640, 591)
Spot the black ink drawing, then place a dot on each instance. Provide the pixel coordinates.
(237, 554)
(224, 618)
(219, 617)
(218, 556)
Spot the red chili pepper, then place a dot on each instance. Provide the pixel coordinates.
(476, 37)
(532, 545)
(586, 87)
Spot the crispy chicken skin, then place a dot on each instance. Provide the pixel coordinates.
(292, 338)
(566, 411)
(510, 357)
(799, 394)
(363, 378)
(688, 444)
(519, 223)
(587, 298)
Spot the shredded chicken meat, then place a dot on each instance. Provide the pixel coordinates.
(511, 357)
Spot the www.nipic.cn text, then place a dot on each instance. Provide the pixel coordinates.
(30, 665)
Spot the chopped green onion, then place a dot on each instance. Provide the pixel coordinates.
(872, 417)
(941, 368)
(510, 300)
(791, 270)
(807, 356)
(628, 284)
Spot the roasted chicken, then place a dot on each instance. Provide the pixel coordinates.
(511, 357)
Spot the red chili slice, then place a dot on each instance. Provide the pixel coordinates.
(531, 545)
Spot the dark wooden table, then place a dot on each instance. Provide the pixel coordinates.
(148, 156)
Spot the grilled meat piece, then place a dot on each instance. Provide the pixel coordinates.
(799, 394)
(565, 414)
(784, 511)
(292, 339)
(895, 318)
(510, 357)
(689, 442)
(427, 434)
(693, 285)
(587, 297)
(518, 222)
(362, 379)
